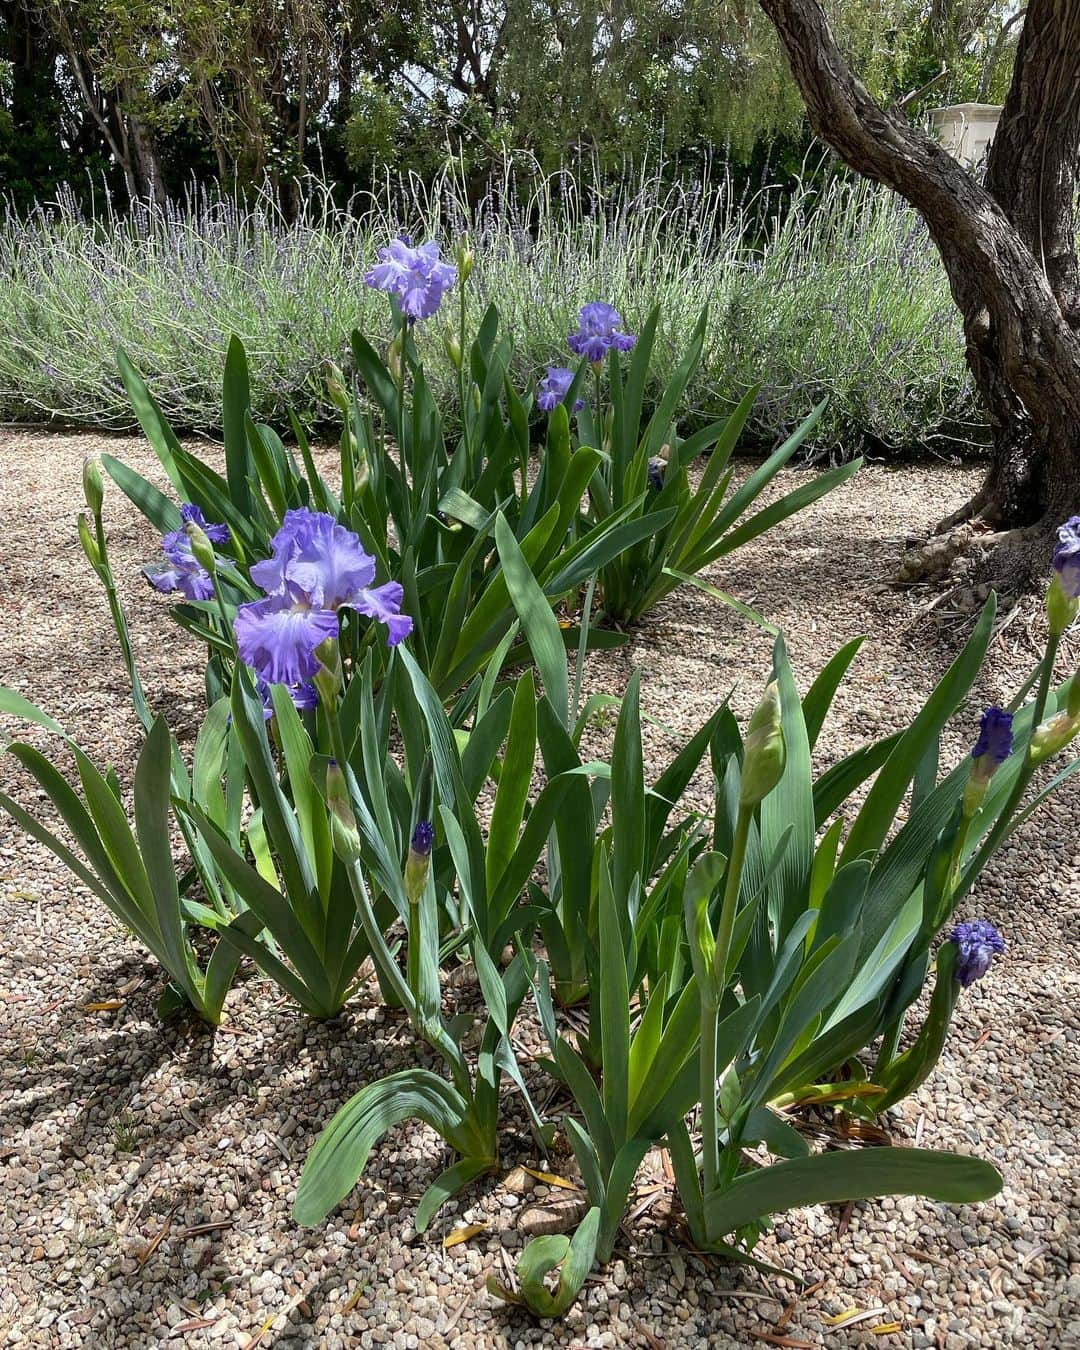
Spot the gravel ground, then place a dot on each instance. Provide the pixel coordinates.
(147, 1169)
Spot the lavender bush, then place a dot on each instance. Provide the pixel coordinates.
(843, 297)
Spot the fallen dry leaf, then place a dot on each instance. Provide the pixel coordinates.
(460, 1235)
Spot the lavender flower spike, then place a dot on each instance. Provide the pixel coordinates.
(317, 568)
(416, 276)
(977, 942)
(599, 330)
(553, 389)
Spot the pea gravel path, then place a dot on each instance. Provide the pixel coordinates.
(146, 1170)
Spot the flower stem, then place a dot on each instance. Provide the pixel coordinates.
(732, 886)
(710, 1002)
(710, 1152)
(1023, 778)
(138, 697)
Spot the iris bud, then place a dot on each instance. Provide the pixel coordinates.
(344, 835)
(977, 942)
(335, 386)
(453, 351)
(465, 258)
(89, 543)
(1061, 607)
(327, 679)
(991, 750)
(1053, 735)
(93, 485)
(202, 550)
(418, 862)
(393, 359)
(765, 751)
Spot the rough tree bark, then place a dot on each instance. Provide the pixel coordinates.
(1009, 249)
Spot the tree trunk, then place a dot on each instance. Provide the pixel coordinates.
(1008, 248)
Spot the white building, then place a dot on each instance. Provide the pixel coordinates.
(966, 130)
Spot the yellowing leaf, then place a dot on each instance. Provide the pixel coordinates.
(885, 1328)
(462, 1234)
(108, 1005)
(840, 1318)
(550, 1179)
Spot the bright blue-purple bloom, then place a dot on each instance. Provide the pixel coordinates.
(317, 568)
(553, 389)
(181, 571)
(1067, 557)
(977, 943)
(304, 697)
(599, 329)
(995, 742)
(423, 837)
(417, 276)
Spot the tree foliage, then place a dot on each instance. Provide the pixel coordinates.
(159, 91)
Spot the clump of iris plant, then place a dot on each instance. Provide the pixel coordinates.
(181, 571)
(977, 943)
(600, 328)
(553, 389)
(417, 277)
(317, 568)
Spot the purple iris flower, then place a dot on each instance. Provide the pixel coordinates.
(656, 469)
(317, 568)
(304, 697)
(995, 742)
(977, 942)
(599, 329)
(181, 571)
(217, 534)
(1067, 557)
(553, 389)
(423, 837)
(417, 276)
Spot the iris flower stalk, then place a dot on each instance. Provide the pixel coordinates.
(400, 990)
(96, 548)
(764, 760)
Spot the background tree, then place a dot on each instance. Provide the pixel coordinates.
(1009, 248)
(159, 93)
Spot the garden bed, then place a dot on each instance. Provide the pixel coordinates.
(148, 1168)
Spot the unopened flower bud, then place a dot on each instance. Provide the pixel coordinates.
(328, 678)
(991, 750)
(453, 351)
(465, 258)
(977, 942)
(89, 543)
(344, 835)
(394, 361)
(1061, 607)
(335, 386)
(93, 485)
(765, 751)
(1073, 704)
(418, 862)
(1053, 735)
(202, 550)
